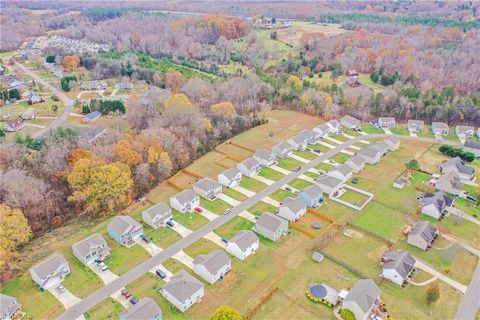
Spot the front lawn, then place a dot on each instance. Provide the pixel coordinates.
(299, 184)
(81, 281)
(107, 309)
(368, 128)
(234, 194)
(281, 194)
(304, 154)
(340, 158)
(192, 221)
(271, 174)
(232, 227)
(318, 146)
(323, 166)
(201, 246)
(217, 206)
(260, 207)
(252, 184)
(464, 229)
(311, 174)
(122, 259)
(163, 236)
(400, 130)
(289, 163)
(338, 137)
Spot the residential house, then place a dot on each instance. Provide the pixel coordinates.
(94, 85)
(308, 135)
(334, 126)
(382, 147)
(435, 204)
(397, 266)
(464, 132)
(212, 266)
(342, 172)
(34, 98)
(370, 156)
(422, 235)
(50, 272)
(282, 150)
(92, 116)
(473, 147)
(230, 178)
(415, 125)
(292, 209)
(386, 122)
(393, 143)
(243, 244)
(356, 162)
(185, 200)
(29, 114)
(207, 188)
(362, 299)
(91, 248)
(450, 183)
(328, 184)
(458, 166)
(352, 73)
(266, 158)
(353, 82)
(183, 290)
(350, 122)
(312, 196)
(297, 142)
(249, 167)
(440, 128)
(145, 309)
(322, 130)
(271, 226)
(157, 216)
(125, 230)
(14, 125)
(9, 307)
(399, 183)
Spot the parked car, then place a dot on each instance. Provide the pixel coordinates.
(317, 151)
(225, 240)
(308, 149)
(198, 209)
(125, 293)
(161, 274)
(145, 239)
(170, 223)
(133, 300)
(227, 211)
(61, 288)
(101, 265)
(355, 180)
(297, 168)
(288, 189)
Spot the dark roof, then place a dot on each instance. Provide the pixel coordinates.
(439, 199)
(401, 261)
(364, 292)
(460, 164)
(425, 230)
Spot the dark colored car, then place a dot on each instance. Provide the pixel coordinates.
(225, 240)
(145, 239)
(133, 300)
(161, 274)
(170, 223)
(297, 168)
(317, 151)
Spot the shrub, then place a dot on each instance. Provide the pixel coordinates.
(456, 152)
(64, 82)
(347, 314)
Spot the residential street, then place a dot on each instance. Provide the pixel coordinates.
(471, 299)
(135, 273)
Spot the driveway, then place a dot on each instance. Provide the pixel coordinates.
(184, 258)
(215, 238)
(208, 214)
(181, 230)
(306, 178)
(425, 267)
(329, 146)
(246, 192)
(269, 200)
(264, 180)
(247, 215)
(439, 137)
(281, 170)
(136, 272)
(461, 244)
(161, 267)
(463, 215)
(387, 131)
(67, 298)
(229, 200)
(294, 156)
(333, 140)
(151, 247)
(121, 299)
(107, 276)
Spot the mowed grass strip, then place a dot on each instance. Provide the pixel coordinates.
(234, 194)
(201, 246)
(340, 158)
(339, 137)
(304, 154)
(122, 259)
(318, 146)
(271, 174)
(107, 309)
(190, 220)
(289, 163)
(323, 166)
(311, 174)
(163, 236)
(281, 194)
(260, 207)
(299, 184)
(217, 206)
(252, 184)
(232, 227)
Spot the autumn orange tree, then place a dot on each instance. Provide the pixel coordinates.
(177, 100)
(70, 63)
(173, 80)
(125, 153)
(14, 231)
(225, 109)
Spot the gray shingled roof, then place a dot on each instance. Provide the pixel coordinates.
(282, 146)
(472, 144)
(185, 196)
(393, 139)
(357, 160)
(368, 152)
(323, 127)
(344, 169)
(334, 123)
(160, 209)
(293, 204)
(439, 199)
(244, 239)
(381, 146)
(297, 139)
(182, 285)
(145, 309)
(460, 164)
(213, 261)
(5, 302)
(451, 178)
(328, 181)
(94, 241)
(418, 123)
(439, 125)
(250, 163)
(351, 120)
(231, 173)
(263, 154)
(364, 292)
(386, 119)
(207, 184)
(122, 224)
(401, 261)
(313, 191)
(464, 129)
(47, 266)
(306, 134)
(270, 221)
(425, 230)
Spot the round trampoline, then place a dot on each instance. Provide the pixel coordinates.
(318, 291)
(316, 225)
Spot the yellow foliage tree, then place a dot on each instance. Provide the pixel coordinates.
(177, 100)
(14, 230)
(99, 186)
(294, 82)
(225, 109)
(125, 153)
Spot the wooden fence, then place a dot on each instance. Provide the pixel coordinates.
(257, 307)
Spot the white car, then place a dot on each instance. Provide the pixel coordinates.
(102, 266)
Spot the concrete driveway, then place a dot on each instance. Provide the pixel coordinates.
(181, 230)
(229, 200)
(208, 214)
(151, 247)
(246, 192)
(329, 146)
(281, 170)
(268, 182)
(121, 299)
(303, 160)
(455, 284)
(247, 215)
(184, 258)
(306, 178)
(463, 215)
(161, 267)
(333, 140)
(269, 200)
(215, 238)
(67, 298)
(387, 131)
(107, 276)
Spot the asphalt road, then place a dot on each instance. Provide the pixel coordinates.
(83, 306)
(68, 103)
(470, 303)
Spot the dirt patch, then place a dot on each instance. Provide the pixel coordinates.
(300, 30)
(355, 234)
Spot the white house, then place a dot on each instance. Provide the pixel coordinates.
(212, 266)
(50, 272)
(183, 290)
(292, 209)
(249, 167)
(397, 266)
(350, 122)
(125, 230)
(282, 150)
(415, 125)
(9, 307)
(440, 128)
(435, 204)
(185, 200)
(464, 132)
(362, 299)
(91, 248)
(207, 188)
(230, 178)
(329, 184)
(356, 162)
(334, 126)
(369, 155)
(297, 143)
(157, 216)
(342, 172)
(271, 226)
(322, 130)
(243, 244)
(386, 122)
(266, 158)
(308, 135)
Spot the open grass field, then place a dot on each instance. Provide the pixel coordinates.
(366, 81)
(237, 153)
(217, 206)
(294, 34)
(163, 236)
(289, 163)
(252, 184)
(270, 174)
(183, 180)
(260, 207)
(299, 184)
(122, 258)
(305, 154)
(231, 228)
(206, 166)
(107, 309)
(234, 194)
(192, 221)
(466, 230)
(281, 194)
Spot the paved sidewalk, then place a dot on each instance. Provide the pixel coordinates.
(246, 192)
(268, 182)
(439, 137)
(455, 284)
(303, 160)
(281, 170)
(184, 258)
(229, 200)
(208, 214)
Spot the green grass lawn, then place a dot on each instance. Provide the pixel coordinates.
(260, 207)
(468, 207)
(234, 194)
(318, 146)
(281, 194)
(201, 246)
(350, 132)
(271, 174)
(304, 154)
(368, 128)
(466, 230)
(163, 236)
(400, 129)
(81, 281)
(299, 184)
(122, 259)
(311, 174)
(338, 137)
(217, 206)
(426, 133)
(323, 166)
(107, 309)
(38, 305)
(340, 158)
(192, 221)
(252, 184)
(366, 81)
(354, 197)
(289, 163)
(232, 227)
